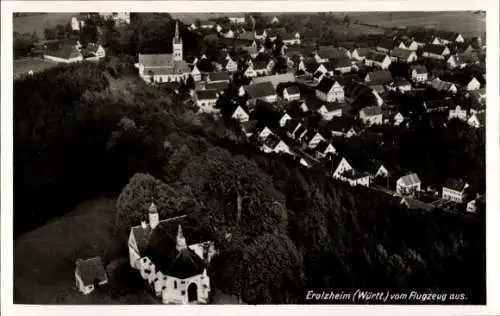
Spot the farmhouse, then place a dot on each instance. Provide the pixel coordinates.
(260, 91)
(291, 93)
(401, 84)
(93, 51)
(462, 60)
(237, 19)
(371, 115)
(444, 86)
(458, 113)
(342, 65)
(329, 90)
(359, 54)
(438, 105)
(477, 120)
(206, 100)
(330, 110)
(403, 55)
(64, 53)
(274, 144)
(89, 273)
(377, 59)
(222, 76)
(172, 255)
(312, 138)
(418, 73)
(454, 190)
(381, 77)
(435, 51)
(275, 80)
(291, 39)
(325, 53)
(408, 185)
(354, 177)
(385, 45)
(446, 37)
(324, 148)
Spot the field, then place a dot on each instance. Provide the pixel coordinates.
(38, 22)
(465, 22)
(44, 259)
(23, 66)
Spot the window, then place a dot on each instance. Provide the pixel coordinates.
(183, 282)
(183, 292)
(175, 285)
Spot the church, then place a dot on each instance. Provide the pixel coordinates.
(159, 68)
(172, 256)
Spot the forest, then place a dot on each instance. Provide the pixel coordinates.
(93, 129)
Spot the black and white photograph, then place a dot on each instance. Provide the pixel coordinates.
(249, 158)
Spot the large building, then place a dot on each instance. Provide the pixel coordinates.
(159, 68)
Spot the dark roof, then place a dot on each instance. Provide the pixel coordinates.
(299, 131)
(362, 51)
(385, 43)
(410, 179)
(260, 64)
(415, 204)
(376, 56)
(325, 84)
(155, 60)
(380, 77)
(446, 35)
(207, 94)
(294, 89)
(438, 104)
(141, 236)
(420, 69)
(372, 110)
(91, 270)
(468, 57)
(354, 174)
(322, 146)
(345, 79)
(272, 140)
(259, 90)
(401, 53)
(434, 48)
(219, 76)
(455, 184)
(278, 31)
(333, 106)
(186, 264)
(423, 37)
(401, 81)
(329, 52)
(217, 86)
(335, 63)
(310, 64)
(65, 51)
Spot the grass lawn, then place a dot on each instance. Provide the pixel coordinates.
(44, 259)
(23, 66)
(38, 22)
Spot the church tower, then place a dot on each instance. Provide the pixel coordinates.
(154, 218)
(177, 44)
(181, 241)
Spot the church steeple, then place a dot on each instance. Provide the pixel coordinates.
(181, 241)
(177, 44)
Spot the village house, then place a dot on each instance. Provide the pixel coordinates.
(164, 67)
(371, 115)
(230, 64)
(472, 84)
(89, 274)
(263, 67)
(454, 190)
(290, 39)
(249, 72)
(376, 59)
(398, 118)
(477, 120)
(275, 20)
(458, 113)
(385, 45)
(93, 51)
(444, 86)
(330, 110)
(341, 165)
(291, 93)
(462, 60)
(177, 274)
(342, 65)
(408, 185)
(273, 144)
(381, 77)
(345, 172)
(260, 34)
(260, 91)
(312, 138)
(418, 73)
(435, 51)
(403, 55)
(475, 205)
(329, 90)
(206, 100)
(222, 76)
(324, 53)
(360, 53)
(295, 129)
(423, 39)
(440, 105)
(63, 53)
(237, 19)
(250, 128)
(401, 85)
(284, 119)
(323, 148)
(446, 37)
(414, 204)
(276, 79)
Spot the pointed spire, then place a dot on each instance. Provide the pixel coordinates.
(177, 30)
(152, 208)
(204, 273)
(181, 241)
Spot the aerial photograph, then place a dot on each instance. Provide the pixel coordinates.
(249, 158)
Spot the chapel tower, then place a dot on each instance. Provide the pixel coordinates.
(177, 44)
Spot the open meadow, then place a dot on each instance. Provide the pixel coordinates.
(38, 22)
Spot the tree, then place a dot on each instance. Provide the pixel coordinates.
(347, 20)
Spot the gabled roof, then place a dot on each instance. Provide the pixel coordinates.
(376, 56)
(299, 131)
(277, 31)
(294, 89)
(186, 264)
(330, 52)
(333, 106)
(434, 48)
(322, 146)
(336, 63)
(325, 85)
(423, 37)
(91, 270)
(410, 179)
(420, 69)
(415, 204)
(455, 184)
(437, 104)
(64, 51)
(362, 51)
(401, 53)
(380, 77)
(207, 94)
(385, 43)
(217, 86)
(259, 90)
(260, 64)
(441, 85)
(275, 80)
(446, 35)
(219, 76)
(155, 60)
(310, 64)
(401, 81)
(346, 79)
(371, 111)
(468, 57)
(141, 236)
